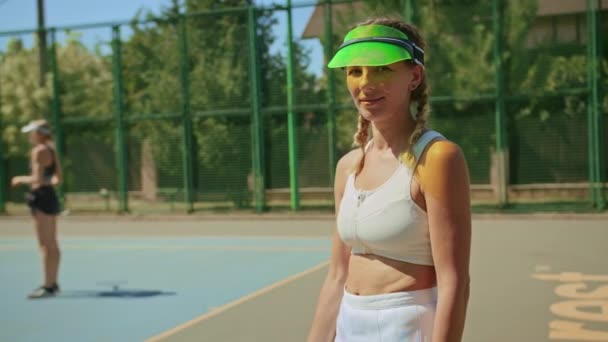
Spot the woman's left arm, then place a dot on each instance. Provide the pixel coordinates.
(444, 177)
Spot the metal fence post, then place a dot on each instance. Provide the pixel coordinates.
(56, 111)
(594, 114)
(186, 117)
(331, 91)
(121, 144)
(291, 118)
(601, 116)
(3, 160)
(257, 141)
(501, 146)
(408, 14)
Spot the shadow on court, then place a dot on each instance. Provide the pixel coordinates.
(121, 293)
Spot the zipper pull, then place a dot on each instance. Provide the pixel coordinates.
(360, 198)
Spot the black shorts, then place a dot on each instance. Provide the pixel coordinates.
(44, 199)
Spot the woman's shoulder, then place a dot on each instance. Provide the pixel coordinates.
(441, 159)
(442, 148)
(349, 161)
(346, 166)
(38, 149)
(443, 171)
(41, 150)
(433, 142)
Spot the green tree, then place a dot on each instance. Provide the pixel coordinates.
(85, 87)
(85, 80)
(22, 99)
(85, 91)
(219, 78)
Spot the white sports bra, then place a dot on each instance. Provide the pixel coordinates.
(386, 221)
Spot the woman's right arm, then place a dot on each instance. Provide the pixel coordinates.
(324, 322)
(37, 156)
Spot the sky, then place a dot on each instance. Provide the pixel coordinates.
(18, 15)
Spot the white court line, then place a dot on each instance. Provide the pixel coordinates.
(8, 248)
(218, 310)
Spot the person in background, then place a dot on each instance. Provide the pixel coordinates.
(45, 172)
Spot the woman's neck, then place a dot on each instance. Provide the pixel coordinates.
(42, 142)
(393, 134)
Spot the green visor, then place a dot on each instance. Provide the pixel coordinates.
(375, 45)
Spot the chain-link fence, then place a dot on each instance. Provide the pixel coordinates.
(202, 108)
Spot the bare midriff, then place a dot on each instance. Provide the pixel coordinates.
(370, 274)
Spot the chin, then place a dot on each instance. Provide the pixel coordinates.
(374, 115)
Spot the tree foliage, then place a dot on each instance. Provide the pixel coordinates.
(460, 59)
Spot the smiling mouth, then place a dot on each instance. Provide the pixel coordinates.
(370, 101)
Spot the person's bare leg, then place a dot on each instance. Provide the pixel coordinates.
(46, 229)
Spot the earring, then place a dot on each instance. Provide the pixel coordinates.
(413, 111)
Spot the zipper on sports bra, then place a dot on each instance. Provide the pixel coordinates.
(360, 198)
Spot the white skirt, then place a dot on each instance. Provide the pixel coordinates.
(401, 316)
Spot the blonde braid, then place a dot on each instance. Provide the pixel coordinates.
(421, 96)
(361, 138)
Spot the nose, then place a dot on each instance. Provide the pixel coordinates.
(367, 80)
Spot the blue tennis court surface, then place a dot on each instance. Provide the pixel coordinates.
(129, 289)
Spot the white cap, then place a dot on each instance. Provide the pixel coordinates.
(37, 126)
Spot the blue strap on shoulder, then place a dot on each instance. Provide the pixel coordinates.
(424, 140)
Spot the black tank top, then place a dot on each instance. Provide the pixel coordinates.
(48, 171)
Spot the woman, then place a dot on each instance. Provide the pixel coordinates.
(399, 269)
(45, 173)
